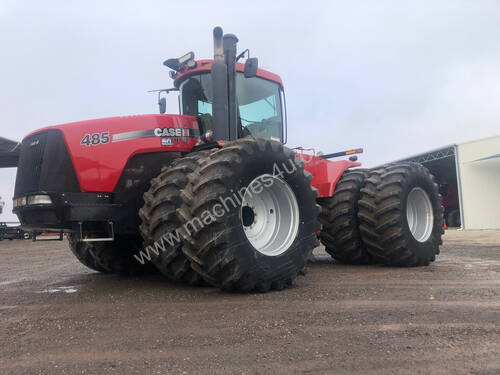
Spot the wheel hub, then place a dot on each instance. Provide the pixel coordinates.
(270, 215)
(419, 214)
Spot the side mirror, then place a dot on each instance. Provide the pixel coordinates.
(251, 66)
(162, 103)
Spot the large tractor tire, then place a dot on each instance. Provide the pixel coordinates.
(339, 219)
(250, 216)
(116, 257)
(400, 215)
(160, 222)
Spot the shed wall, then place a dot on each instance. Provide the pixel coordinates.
(479, 168)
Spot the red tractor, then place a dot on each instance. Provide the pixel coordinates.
(212, 195)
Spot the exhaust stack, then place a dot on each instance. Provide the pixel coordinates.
(218, 45)
(220, 108)
(230, 42)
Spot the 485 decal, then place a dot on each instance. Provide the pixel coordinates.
(95, 139)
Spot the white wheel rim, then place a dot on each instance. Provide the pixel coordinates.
(419, 214)
(270, 215)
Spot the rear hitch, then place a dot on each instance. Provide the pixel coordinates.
(90, 236)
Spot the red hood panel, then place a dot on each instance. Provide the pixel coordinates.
(101, 148)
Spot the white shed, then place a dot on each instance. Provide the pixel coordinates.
(469, 178)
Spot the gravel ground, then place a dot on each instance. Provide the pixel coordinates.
(59, 317)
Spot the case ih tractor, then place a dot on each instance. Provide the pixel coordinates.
(212, 195)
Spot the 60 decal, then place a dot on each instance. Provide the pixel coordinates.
(95, 139)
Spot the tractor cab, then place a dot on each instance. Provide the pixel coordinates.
(260, 104)
(249, 102)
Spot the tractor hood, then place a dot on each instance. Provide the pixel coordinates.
(99, 149)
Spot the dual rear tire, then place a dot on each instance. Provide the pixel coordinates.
(400, 214)
(391, 215)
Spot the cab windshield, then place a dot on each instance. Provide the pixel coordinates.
(259, 103)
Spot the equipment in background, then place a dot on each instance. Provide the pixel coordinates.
(13, 231)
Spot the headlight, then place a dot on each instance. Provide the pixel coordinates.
(18, 202)
(39, 199)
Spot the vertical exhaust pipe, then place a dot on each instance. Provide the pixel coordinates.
(230, 42)
(218, 45)
(220, 109)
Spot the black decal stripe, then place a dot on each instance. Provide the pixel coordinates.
(137, 134)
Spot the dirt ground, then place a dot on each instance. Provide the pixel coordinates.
(58, 317)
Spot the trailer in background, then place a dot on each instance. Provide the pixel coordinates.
(13, 231)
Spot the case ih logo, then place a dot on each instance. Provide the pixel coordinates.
(178, 135)
(173, 132)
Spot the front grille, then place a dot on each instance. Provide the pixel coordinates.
(29, 167)
(45, 165)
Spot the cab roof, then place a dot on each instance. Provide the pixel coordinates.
(203, 66)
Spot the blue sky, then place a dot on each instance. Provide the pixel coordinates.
(393, 77)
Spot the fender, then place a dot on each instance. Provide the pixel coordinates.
(99, 149)
(326, 173)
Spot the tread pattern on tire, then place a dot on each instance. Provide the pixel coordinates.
(159, 218)
(115, 257)
(84, 255)
(211, 249)
(382, 224)
(339, 219)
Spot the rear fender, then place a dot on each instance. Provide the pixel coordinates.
(325, 173)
